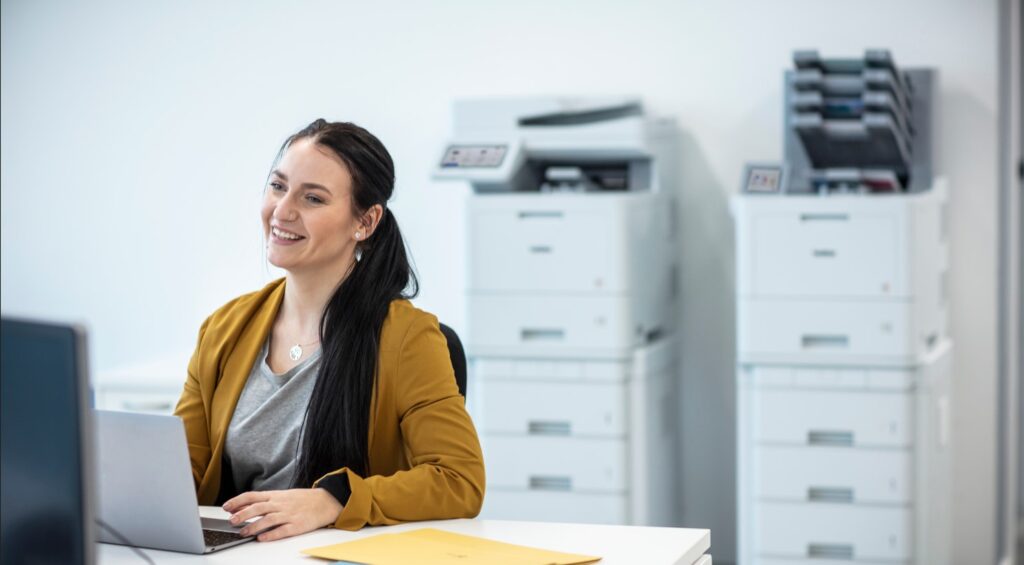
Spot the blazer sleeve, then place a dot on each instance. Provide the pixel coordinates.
(446, 478)
(192, 411)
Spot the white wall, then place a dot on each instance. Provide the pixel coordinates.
(136, 136)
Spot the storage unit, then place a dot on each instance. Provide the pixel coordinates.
(570, 293)
(843, 379)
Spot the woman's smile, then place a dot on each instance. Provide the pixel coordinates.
(279, 236)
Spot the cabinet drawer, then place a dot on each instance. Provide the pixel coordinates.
(552, 464)
(583, 508)
(153, 402)
(555, 409)
(833, 474)
(532, 370)
(826, 254)
(833, 531)
(824, 330)
(547, 247)
(502, 324)
(833, 418)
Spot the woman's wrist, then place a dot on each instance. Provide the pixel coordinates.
(330, 506)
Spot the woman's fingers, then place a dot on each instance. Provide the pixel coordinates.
(280, 532)
(245, 499)
(267, 522)
(252, 511)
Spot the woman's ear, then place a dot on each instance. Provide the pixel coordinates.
(369, 221)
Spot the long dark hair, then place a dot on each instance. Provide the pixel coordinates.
(337, 421)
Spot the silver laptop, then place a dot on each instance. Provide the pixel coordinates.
(146, 493)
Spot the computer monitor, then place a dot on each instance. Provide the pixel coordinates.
(46, 512)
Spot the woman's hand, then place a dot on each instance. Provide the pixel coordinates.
(285, 513)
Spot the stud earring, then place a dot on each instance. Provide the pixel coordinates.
(359, 235)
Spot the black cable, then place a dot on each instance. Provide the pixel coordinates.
(124, 541)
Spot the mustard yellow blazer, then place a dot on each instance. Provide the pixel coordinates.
(424, 454)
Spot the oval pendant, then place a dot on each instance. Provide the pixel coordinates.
(295, 352)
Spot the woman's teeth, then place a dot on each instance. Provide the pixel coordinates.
(284, 234)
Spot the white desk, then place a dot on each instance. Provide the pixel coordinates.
(618, 545)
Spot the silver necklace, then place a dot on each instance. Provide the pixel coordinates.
(295, 353)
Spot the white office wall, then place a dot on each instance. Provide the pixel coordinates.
(136, 135)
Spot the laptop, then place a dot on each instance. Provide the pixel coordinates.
(146, 494)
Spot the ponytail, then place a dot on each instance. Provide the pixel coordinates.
(336, 426)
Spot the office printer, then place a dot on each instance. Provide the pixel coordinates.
(570, 304)
(843, 352)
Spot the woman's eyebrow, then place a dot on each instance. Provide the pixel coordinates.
(315, 186)
(307, 185)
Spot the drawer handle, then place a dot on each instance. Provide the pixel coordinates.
(821, 437)
(830, 550)
(550, 483)
(812, 217)
(147, 405)
(824, 341)
(538, 428)
(540, 249)
(539, 214)
(829, 494)
(824, 253)
(542, 334)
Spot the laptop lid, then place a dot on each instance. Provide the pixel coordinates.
(45, 435)
(146, 492)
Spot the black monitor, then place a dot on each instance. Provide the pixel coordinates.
(45, 476)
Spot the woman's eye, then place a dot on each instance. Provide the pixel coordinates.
(276, 186)
(314, 199)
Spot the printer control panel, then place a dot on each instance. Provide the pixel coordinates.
(466, 156)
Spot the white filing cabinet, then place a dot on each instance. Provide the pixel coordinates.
(571, 361)
(843, 379)
(150, 387)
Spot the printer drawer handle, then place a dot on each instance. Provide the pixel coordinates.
(829, 437)
(829, 494)
(823, 217)
(147, 405)
(549, 428)
(542, 334)
(549, 482)
(830, 551)
(824, 341)
(540, 214)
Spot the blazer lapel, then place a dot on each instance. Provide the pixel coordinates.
(239, 363)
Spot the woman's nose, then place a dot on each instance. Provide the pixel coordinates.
(284, 209)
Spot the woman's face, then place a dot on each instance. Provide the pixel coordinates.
(307, 212)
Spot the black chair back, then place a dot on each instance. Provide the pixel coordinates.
(458, 355)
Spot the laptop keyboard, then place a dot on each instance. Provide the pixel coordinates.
(215, 538)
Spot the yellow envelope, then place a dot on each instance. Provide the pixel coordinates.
(428, 546)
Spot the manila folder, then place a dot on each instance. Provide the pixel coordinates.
(428, 546)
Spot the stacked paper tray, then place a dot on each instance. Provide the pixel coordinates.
(853, 113)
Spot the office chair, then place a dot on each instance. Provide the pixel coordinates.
(458, 355)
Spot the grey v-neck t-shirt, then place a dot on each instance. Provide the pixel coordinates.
(265, 433)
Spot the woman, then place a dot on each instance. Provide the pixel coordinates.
(326, 398)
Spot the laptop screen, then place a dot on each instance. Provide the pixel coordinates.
(43, 494)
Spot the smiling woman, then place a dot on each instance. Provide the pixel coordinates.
(367, 428)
